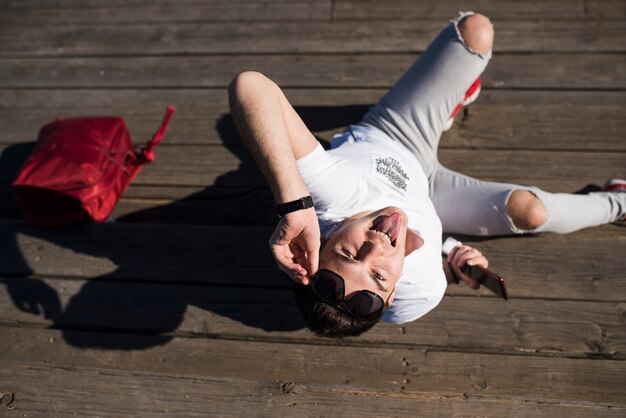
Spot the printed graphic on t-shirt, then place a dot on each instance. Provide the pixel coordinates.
(391, 169)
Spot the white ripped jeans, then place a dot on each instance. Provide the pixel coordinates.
(415, 111)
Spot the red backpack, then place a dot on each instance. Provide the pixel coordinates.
(79, 168)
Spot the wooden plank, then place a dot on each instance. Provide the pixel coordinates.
(57, 391)
(606, 9)
(297, 37)
(50, 5)
(552, 171)
(223, 211)
(496, 10)
(187, 252)
(519, 326)
(499, 120)
(227, 209)
(537, 127)
(190, 254)
(186, 205)
(349, 9)
(502, 369)
(212, 11)
(561, 71)
(161, 11)
(232, 166)
(402, 370)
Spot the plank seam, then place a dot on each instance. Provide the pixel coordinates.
(176, 282)
(262, 53)
(10, 87)
(384, 345)
(314, 387)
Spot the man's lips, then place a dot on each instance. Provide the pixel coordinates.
(390, 225)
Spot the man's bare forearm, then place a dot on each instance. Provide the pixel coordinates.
(277, 137)
(255, 104)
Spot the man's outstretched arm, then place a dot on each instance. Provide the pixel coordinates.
(277, 137)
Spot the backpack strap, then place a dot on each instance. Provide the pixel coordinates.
(147, 153)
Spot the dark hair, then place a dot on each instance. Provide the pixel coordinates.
(324, 320)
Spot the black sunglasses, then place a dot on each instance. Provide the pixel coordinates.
(330, 288)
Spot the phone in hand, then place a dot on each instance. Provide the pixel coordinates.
(486, 278)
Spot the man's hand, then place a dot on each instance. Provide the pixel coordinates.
(295, 245)
(464, 254)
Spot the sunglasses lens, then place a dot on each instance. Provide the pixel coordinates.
(366, 305)
(328, 287)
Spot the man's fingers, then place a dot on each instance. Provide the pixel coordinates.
(465, 254)
(452, 254)
(302, 279)
(296, 273)
(460, 251)
(474, 284)
(474, 258)
(471, 282)
(295, 245)
(313, 261)
(479, 261)
(299, 275)
(285, 261)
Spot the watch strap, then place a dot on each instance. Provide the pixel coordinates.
(295, 205)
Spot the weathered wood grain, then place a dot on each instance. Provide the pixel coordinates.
(134, 5)
(124, 12)
(42, 11)
(177, 316)
(168, 12)
(179, 205)
(231, 166)
(295, 37)
(38, 13)
(499, 120)
(606, 9)
(488, 325)
(558, 71)
(533, 266)
(403, 370)
(496, 10)
(61, 391)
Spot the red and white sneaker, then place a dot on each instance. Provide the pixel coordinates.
(616, 186)
(470, 97)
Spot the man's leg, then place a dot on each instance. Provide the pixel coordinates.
(415, 111)
(469, 206)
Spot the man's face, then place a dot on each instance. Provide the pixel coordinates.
(368, 251)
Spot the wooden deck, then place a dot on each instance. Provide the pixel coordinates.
(178, 310)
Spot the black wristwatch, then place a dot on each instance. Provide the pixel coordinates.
(302, 203)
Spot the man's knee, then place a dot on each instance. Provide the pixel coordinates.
(526, 210)
(248, 83)
(477, 32)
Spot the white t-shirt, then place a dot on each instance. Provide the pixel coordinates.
(367, 171)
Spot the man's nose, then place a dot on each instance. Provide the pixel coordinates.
(373, 248)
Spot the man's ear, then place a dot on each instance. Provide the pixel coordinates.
(413, 241)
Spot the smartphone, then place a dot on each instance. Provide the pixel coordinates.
(487, 278)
